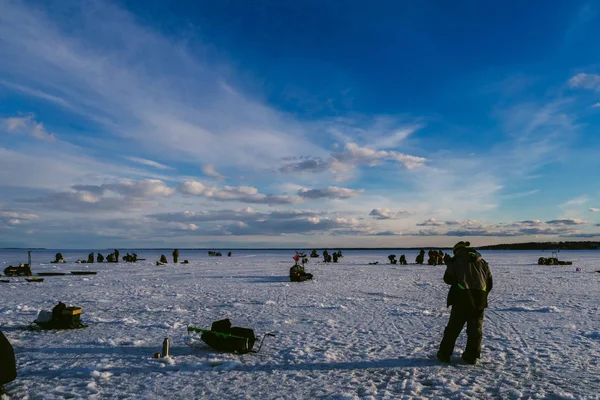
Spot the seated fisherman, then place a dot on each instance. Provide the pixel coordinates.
(432, 257)
(297, 274)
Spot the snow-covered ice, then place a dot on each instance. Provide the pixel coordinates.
(357, 331)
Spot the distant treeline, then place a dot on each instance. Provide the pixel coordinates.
(544, 246)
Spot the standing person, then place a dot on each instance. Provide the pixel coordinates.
(175, 255)
(8, 365)
(470, 280)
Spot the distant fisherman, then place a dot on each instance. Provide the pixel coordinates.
(471, 280)
(420, 257)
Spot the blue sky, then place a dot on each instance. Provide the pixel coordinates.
(284, 123)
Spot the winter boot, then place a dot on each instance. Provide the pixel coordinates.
(468, 359)
(443, 358)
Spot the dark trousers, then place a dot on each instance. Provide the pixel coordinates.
(458, 317)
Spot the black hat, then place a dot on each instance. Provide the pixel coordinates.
(460, 245)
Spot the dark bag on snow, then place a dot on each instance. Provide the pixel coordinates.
(223, 337)
(8, 364)
(223, 325)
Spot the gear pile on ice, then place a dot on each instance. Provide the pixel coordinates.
(61, 317)
(297, 273)
(231, 339)
(553, 261)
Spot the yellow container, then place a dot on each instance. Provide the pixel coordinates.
(70, 311)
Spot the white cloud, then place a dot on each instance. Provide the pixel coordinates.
(192, 187)
(395, 138)
(465, 228)
(125, 195)
(332, 192)
(184, 227)
(380, 131)
(527, 223)
(82, 201)
(431, 222)
(247, 222)
(566, 221)
(386, 213)
(354, 154)
(26, 125)
(574, 207)
(5, 214)
(127, 187)
(10, 218)
(36, 93)
(241, 214)
(149, 163)
(445, 187)
(520, 195)
(308, 164)
(585, 81)
(596, 105)
(42, 169)
(14, 123)
(532, 136)
(209, 170)
(576, 202)
(539, 134)
(243, 194)
(341, 162)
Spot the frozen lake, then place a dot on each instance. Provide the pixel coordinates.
(355, 331)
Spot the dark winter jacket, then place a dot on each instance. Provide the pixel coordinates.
(8, 365)
(470, 279)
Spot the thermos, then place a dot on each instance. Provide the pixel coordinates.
(165, 348)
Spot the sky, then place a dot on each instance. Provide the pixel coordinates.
(298, 124)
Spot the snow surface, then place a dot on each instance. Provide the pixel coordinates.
(355, 331)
